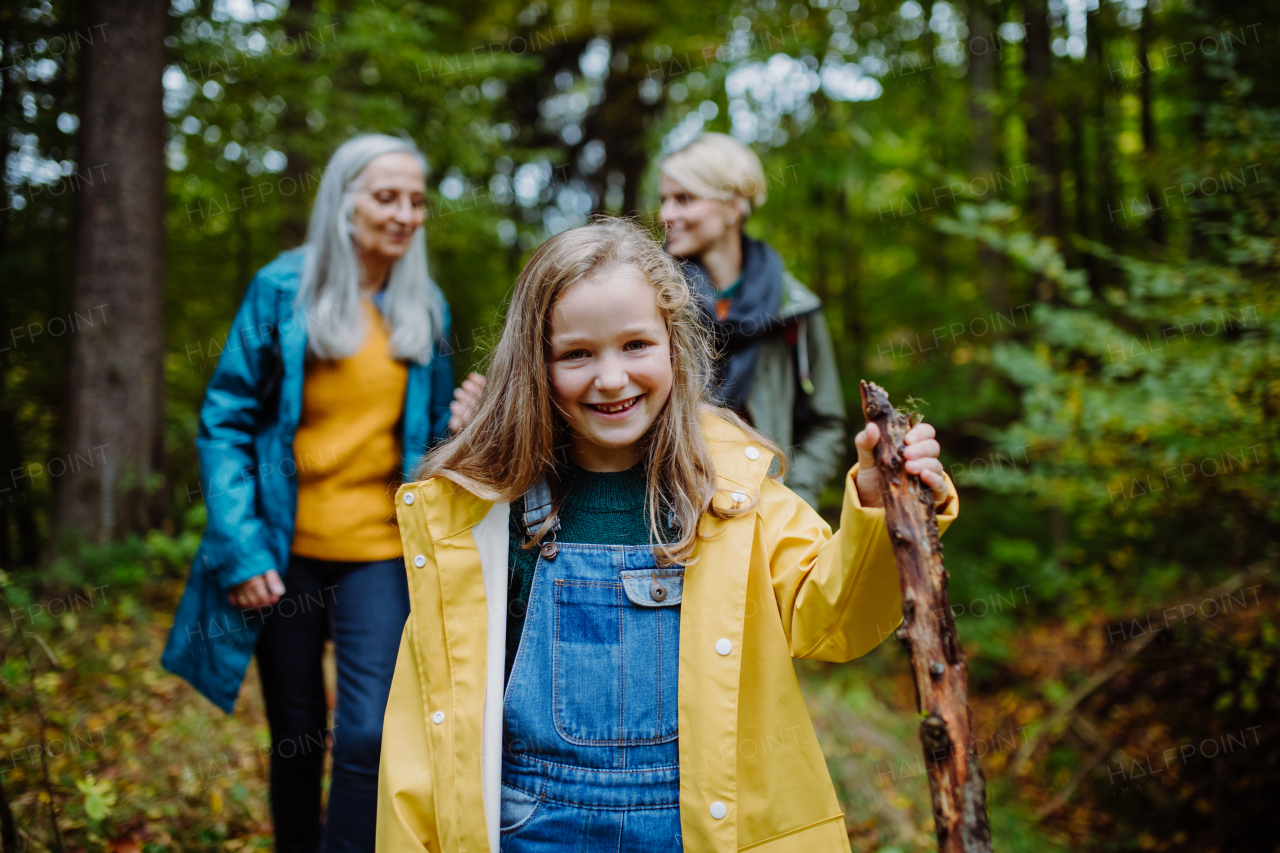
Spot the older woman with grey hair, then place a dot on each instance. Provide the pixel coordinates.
(336, 379)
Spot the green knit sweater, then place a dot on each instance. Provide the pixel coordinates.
(598, 509)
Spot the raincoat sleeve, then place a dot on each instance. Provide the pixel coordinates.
(235, 539)
(406, 803)
(838, 594)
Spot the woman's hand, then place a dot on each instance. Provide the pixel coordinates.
(921, 454)
(465, 400)
(261, 591)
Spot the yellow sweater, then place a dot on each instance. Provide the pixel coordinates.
(348, 452)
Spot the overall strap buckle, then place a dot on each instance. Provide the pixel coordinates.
(537, 507)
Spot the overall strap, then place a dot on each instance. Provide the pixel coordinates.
(537, 506)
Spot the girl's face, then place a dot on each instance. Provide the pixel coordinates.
(390, 205)
(610, 362)
(694, 223)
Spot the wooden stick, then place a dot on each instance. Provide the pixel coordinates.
(956, 783)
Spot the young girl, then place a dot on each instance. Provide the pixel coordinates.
(607, 591)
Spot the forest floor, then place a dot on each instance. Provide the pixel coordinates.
(132, 759)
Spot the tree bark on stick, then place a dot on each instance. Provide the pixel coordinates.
(956, 784)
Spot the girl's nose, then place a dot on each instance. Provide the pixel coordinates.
(611, 376)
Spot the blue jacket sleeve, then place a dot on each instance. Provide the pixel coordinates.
(442, 382)
(236, 535)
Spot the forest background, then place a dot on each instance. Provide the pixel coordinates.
(1054, 222)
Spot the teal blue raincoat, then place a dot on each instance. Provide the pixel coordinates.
(248, 472)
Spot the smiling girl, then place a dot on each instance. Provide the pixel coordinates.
(607, 590)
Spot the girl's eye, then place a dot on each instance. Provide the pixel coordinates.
(574, 354)
(636, 346)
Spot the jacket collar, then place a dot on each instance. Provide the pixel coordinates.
(797, 299)
(451, 509)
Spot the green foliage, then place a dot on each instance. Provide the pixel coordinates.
(98, 797)
(1148, 409)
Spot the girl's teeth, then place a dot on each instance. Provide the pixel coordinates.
(617, 407)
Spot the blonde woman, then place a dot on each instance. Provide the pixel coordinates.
(775, 365)
(335, 382)
(637, 692)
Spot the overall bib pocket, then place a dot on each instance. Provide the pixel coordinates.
(616, 658)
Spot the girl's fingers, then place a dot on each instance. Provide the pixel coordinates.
(919, 466)
(919, 432)
(936, 482)
(466, 396)
(865, 441)
(927, 448)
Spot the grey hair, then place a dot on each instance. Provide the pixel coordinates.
(329, 293)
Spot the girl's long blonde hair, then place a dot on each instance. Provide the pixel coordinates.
(512, 440)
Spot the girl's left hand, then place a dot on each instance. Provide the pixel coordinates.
(921, 452)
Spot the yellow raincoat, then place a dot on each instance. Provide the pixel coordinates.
(776, 583)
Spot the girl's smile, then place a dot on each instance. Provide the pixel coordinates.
(610, 365)
(614, 409)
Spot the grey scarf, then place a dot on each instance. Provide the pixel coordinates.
(752, 314)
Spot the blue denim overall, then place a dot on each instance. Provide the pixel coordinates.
(590, 758)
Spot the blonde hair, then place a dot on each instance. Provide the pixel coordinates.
(511, 442)
(718, 166)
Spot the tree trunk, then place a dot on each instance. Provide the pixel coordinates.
(1079, 159)
(982, 72)
(984, 45)
(623, 121)
(298, 20)
(1155, 230)
(855, 334)
(1043, 129)
(19, 532)
(1107, 201)
(938, 664)
(114, 440)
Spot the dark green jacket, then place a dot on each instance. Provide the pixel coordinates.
(808, 426)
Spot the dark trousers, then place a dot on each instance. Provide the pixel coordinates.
(363, 608)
